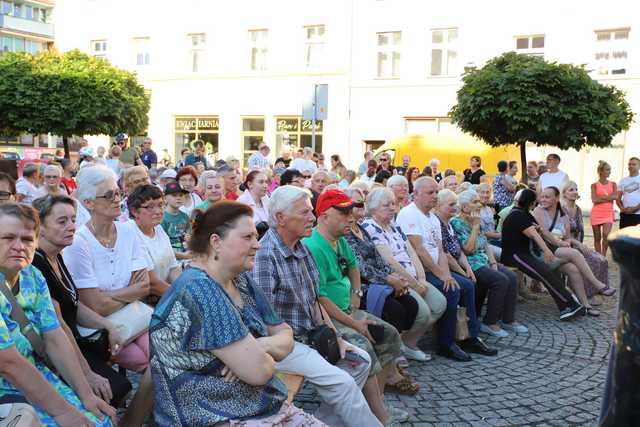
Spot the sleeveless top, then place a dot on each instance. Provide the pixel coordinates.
(561, 221)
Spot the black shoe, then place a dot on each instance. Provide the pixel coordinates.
(476, 345)
(454, 353)
(572, 311)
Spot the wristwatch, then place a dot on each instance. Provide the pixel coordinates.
(357, 292)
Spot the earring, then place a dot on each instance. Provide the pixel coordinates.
(215, 257)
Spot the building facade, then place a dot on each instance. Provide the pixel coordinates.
(234, 73)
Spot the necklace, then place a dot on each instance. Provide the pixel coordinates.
(108, 242)
(61, 276)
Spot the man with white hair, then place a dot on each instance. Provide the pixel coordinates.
(305, 164)
(435, 170)
(27, 189)
(319, 182)
(422, 228)
(287, 274)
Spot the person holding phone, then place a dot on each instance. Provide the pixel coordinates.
(340, 293)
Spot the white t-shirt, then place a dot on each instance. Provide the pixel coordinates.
(82, 215)
(93, 266)
(552, 179)
(30, 191)
(195, 201)
(157, 251)
(630, 188)
(301, 164)
(259, 214)
(414, 223)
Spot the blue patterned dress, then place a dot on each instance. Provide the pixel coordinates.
(36, 303)
(194, 318)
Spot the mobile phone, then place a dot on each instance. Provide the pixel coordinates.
(376, 332)
(354, 357)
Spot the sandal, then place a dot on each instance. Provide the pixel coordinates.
(607, 291)
(592, 312)
(404, 386)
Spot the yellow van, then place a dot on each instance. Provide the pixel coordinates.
(453, 152)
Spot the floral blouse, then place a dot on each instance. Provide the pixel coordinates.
(395, 239)
(576, 226)
(501, 195)
(450, 243)
(478, 258)
(373, 268)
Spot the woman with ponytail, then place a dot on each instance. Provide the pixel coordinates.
(555, 230)
(603, 194)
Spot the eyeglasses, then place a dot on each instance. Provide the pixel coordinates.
(153, 206)
(384, 160)
(5, 195)
(306, 176)
(111, 195)
(51, 176)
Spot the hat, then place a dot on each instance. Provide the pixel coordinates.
(169, 173)
(86, 152)
(121, 137)
(335, 199)
(174, 188)
(231, 159)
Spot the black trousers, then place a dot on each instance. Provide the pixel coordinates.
(400, 311)
(629, 220)
(120, 385)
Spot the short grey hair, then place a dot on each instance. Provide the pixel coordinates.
(320, 172)
(434, 161)
(30, 169)
(466, 197)
(282, 199)
(463, 186)
(352, 191)
(361, 185)
(208, 174)
(88, 180)
(483, 186)
(53, 167)
(422, 182)
(307, 150)
(397, 180)
(376, 198)
(446, 195)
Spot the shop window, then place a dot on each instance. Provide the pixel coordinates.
(187, 129)
(295, 132)
(251, 136)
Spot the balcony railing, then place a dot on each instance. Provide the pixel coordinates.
(41, 29)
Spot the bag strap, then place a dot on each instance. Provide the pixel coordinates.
(26, 328)
(555, 218)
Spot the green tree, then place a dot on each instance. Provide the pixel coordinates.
(69, 94)
(515, 99)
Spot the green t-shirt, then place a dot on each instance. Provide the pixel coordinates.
(176, 226)
(129, 156)
(333, 283)
(204, 206)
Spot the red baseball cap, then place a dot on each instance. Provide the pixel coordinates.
(335, 199)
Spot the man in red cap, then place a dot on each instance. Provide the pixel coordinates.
(339, 291)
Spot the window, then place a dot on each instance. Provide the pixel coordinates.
(99, 48)
(294, 131)
(7, 7)
(314, 46)
(611, 51)
(197, 44)
(252, 134)
(17, 10)
(188, 129)
(530, 45)
(444, 52)
(28, 12)
(141, 46)
(389, 54)
(6, 44)
(259, 49)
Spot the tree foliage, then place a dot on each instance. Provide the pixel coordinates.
(69, 94)
(515, 99)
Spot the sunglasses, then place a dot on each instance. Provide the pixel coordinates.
(344, 265)
(5, 195)
(384, 160)
(306, 176)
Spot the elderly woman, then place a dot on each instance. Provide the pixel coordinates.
(106, 261)
(29, 356)
(224, 371)
(449, 183)
(492, 279)
(187, 177)
(348, 179)
(386, 294)
(146, 207)
(597, 263)
(255, 195)
(53, 180)
(400, 187)
(212, 186)
(522, 229)
(132, 178)
(57, 216)
(555, 229)
(396, 250)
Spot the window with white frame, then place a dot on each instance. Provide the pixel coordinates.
(430, 126)
(314, 46)
(530, 45)
(611, 53)
(197, 44)
(444, 52)
(259, 49)
(389, 54)
(142, 48)
(99, 48)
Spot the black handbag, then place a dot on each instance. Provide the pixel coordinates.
(96, 343)
(324, 340)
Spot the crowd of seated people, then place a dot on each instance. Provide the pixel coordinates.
(330, 275)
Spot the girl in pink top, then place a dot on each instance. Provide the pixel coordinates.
(603, 194)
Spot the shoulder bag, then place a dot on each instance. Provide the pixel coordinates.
(15, 411)
(536, 252)
(322, 338)
(133, 317)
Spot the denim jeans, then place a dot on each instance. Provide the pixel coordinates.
(465, 297)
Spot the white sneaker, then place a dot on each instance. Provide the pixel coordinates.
(415, 354)
(518, 328)
(500, 333)
(402, 362)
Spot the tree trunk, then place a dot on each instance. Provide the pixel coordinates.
(523, 161)
(65, 144)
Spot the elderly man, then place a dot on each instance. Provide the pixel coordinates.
(422, 227)
(287, 274)
(305, 164)
(340, 293)
(319, 181)
(231, 184)
(148, 157)
(27, 186)
(53, 180)
(260, 159)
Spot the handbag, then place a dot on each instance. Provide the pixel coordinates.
(324, 340)
(96, 343)
(133, 317)
(16, 412)
(462, 325)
